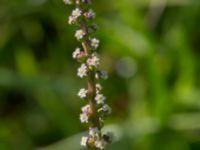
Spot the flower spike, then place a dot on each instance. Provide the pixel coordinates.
(96, 110)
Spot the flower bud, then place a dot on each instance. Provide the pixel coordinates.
(89, 14)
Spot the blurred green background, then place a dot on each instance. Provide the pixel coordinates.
(150, 49)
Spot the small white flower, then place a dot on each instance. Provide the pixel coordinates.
(79, 34)
(94, 132)
(84, 118)
(76, 13)
(101, 144)
(67, 2)
(82, 71)
(84, 140)
(100, 98)
(72, 20)
(82, 93)
(98, 88)
(95, 43)
(76, 53)
(94, 61)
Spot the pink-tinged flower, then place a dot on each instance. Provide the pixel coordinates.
(86, 113)
(89, 14)
(94, 61)
(72, 20)
(79, 55)
(87, 109)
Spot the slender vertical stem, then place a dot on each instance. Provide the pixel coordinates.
(91, 82)
(96, 110)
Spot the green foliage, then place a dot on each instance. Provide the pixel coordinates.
(150, 49)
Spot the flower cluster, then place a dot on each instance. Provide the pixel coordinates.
(94, 138)
(96, 110)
